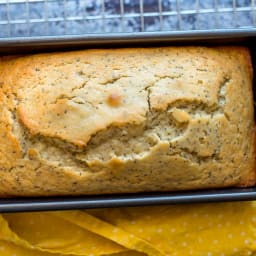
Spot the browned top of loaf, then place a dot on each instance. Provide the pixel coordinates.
(76, 100)
(60, 91)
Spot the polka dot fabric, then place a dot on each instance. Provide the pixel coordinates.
(209, 229)
(47, 233)
(223, 229)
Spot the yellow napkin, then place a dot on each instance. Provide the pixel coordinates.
(221, 229)
(48, 233)
(203, 229)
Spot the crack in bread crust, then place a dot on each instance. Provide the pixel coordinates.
(128, 142)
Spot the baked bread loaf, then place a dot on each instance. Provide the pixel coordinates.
(126, 120)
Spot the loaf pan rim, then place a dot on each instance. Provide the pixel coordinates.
(87, 202)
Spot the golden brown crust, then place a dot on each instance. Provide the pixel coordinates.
(126, 120)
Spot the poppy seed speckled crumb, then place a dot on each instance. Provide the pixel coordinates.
(126, 120)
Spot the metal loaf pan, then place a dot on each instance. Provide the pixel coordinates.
(45, 44)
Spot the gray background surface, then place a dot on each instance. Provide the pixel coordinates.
(60, 17)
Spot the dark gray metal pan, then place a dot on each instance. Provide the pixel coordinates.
(51, 43)
(42, 44)
(107, 201)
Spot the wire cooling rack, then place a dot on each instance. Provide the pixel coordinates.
(31, 18)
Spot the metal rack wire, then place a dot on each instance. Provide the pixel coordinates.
(31, 18)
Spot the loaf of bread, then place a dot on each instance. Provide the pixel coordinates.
(126, 120)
